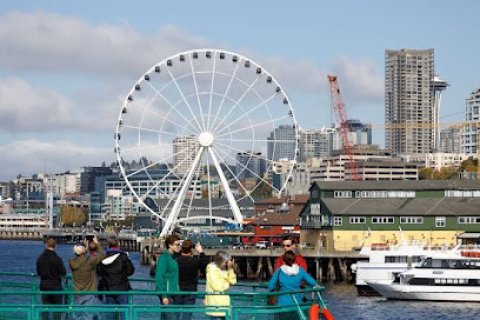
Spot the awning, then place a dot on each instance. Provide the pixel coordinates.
(469, 235)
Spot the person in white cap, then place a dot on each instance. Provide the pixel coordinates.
(84, 275)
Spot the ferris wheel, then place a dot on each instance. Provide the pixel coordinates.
(205, 126)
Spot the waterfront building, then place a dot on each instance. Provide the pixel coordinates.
(315, 143)
(372, 163)
(117, 206)
(472, 107)
(358, 133)
(184, 151)
(23, 221)
(410, 115)
(62, 184)
(250, 164)
(451, 140)
(436, 160)
(344, 215)
(279, 145)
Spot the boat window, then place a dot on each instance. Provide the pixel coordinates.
(395, 259)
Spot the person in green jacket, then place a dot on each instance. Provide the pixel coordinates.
(84, 275)
(166, 275)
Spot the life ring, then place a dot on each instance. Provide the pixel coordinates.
(315, 311)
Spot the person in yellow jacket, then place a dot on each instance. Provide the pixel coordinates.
(220, 276)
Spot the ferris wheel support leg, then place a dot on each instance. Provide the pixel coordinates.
(181, 196)
(231, 200)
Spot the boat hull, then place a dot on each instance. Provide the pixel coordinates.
(396, 291)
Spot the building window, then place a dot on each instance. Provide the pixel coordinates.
(337, 221)
(462, 193)
(384, 194)
(411, 220)
(315, 208)
(342, 194)
(440, 222)
(468, 220)
(315, 194)
(358, 220)
(383, 220)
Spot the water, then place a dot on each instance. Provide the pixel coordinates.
(20, 256)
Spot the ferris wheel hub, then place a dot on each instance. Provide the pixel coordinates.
(205, 139)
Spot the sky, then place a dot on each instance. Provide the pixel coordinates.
(67, 66)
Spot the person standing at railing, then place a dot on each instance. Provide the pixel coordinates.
(289, 277)
(84, 275)
(114, 271)
(51, 269)
(189, 267)
(220, 276)
(288, 243)
(166, 274)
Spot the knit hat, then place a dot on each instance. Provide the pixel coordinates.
(79, 249)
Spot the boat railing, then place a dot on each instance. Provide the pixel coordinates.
(20, 298)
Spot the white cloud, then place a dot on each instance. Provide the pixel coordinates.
(58, 43)
(71, 45)
(360, 80)
(33, 156)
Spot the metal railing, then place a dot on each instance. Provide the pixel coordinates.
(20, 298)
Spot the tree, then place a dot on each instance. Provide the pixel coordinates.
(70, 215)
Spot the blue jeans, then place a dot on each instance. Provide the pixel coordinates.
(116, 299)
(183, 300)
(85, 300)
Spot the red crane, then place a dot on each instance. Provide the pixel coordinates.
(340, 111)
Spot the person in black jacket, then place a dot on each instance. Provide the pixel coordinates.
(188, 268)
(50, 269)
(114, 271)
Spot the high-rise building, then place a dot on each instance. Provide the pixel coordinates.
(88, 176)
(250, 164)
(451, 140)
(281, 144)
(472, 112)
(358, 133)
(409, 101)
(315, 143)
(184, 151)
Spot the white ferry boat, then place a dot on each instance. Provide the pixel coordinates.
(386, 261)
(448, 276)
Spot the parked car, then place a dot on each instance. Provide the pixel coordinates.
(263, 244)
(238, 245)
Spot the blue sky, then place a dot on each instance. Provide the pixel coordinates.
(66, 66)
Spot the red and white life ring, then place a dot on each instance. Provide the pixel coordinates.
(316, 311)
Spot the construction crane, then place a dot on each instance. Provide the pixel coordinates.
(340, 112)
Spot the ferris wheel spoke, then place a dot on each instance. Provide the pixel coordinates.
(248, 169)
(209, 188)
(150, 130)
(169, 173)
(160, 162)
(181, 195)
(185, 100)
(172, 106)
(197, 94)
(243, 151)
(253, 126)
(224, 96)
(167, 119)
(211, 90)
(194, 190)
(235, 177)
(247, 113)
(256, 140)
(238, 102)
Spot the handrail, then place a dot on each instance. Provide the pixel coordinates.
(20, 299)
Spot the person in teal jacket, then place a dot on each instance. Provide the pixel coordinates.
(289, 277)
(166, 275)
